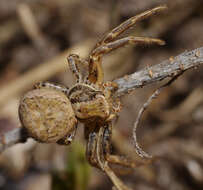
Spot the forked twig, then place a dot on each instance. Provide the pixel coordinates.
(138, 149)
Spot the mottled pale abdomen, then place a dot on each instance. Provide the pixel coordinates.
(47, 115)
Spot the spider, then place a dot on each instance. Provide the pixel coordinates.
(50, 113)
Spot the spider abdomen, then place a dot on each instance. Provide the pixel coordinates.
(47, 115)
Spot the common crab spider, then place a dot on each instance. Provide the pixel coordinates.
(50, 112)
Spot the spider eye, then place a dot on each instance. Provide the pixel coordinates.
(47, 115)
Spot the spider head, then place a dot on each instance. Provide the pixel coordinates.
(88, 102)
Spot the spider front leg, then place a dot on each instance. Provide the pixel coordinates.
(107, 48)
(95, 68)
(96, 73)
(112, 35)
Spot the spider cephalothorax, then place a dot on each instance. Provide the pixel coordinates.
(50, 112)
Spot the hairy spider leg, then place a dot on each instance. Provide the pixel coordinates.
(49, 85)
(104, 164)
(96, 73)
(113, 34)
(91, 149)
(95, 156)
(95, 68)
(69, 138)
(98, 152)
(116, 159)
(73, 61)
(107, 48)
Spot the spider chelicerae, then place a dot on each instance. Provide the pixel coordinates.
(50, 113)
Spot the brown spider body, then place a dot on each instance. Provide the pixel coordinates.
(47, 115)
(89, 102)
(50, 112)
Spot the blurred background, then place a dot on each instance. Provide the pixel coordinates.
(35, 38)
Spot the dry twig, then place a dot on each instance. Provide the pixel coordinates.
(12, 137)
(168, 68)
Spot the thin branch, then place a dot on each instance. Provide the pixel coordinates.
(138, 149)
(167, 68)
(12, 137)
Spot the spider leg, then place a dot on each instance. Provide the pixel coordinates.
(94, 159)
(105, 45)
(96, 154)
(107, 48)
(91, 149)
(49, 85)
(95, 68)
(129, 23)
(104, 164)
(96, 73)
(78, 67)
(116, 159)
(69, 138)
